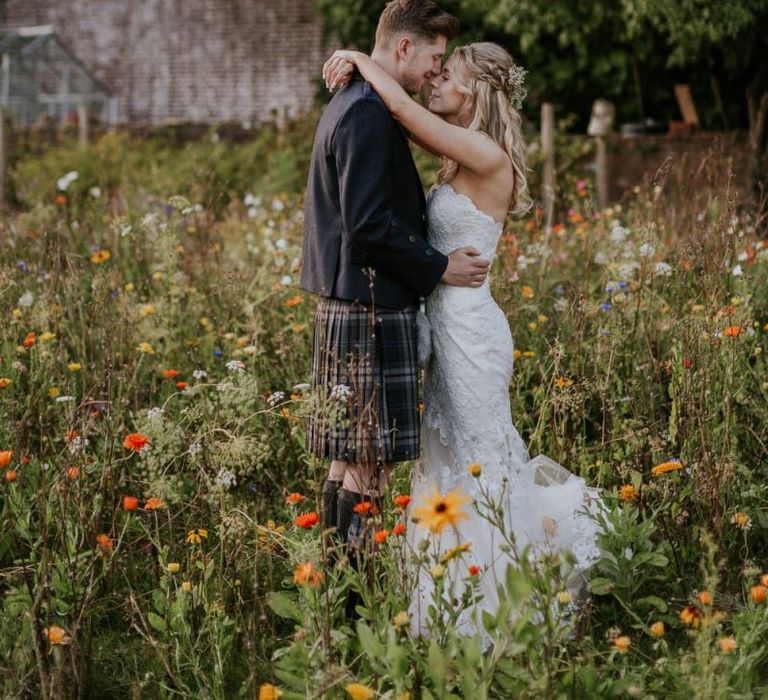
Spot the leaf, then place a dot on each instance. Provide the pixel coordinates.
(601, 586)
(283, 606)
(653, 602)
(371, 645)
(156, 621)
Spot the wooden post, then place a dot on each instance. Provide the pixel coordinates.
(548, 151)
(82, 123)
(601, 174)
(3, 156)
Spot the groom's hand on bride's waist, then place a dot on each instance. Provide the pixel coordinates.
(465, 268)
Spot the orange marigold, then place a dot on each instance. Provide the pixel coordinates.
(628, 493)
(307, 575)
(364, 508)
(657, 629)
(622, 643)
(664, 467)
(154, 503)
(307, 520)
(56, 635)
(380, 536)
(135, 442)
(398, 529)
(732, 331)
(293, 498)
(5, 458)
(11, 475)
(130, 503)
(757, 593)
(402, 500)
(691, 616)
(705, 597)
(105, 543)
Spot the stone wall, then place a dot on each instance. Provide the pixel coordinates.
(190, 60)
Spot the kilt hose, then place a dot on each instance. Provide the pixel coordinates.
(365, 378)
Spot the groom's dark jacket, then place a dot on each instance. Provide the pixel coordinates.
(365, 208)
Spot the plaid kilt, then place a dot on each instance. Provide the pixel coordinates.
(365, 378)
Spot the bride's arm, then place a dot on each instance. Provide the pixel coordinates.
(470, 149)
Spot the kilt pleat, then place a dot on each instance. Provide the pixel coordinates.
(365, 380)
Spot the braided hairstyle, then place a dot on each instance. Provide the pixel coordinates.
(493, 85)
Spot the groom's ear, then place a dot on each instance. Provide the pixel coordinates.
(403, 46)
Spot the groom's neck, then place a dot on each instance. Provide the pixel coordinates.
(386, 60)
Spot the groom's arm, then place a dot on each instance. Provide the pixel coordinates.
(364, 143)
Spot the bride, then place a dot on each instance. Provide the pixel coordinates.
(474, 123)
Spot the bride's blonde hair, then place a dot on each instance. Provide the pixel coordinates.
(485, 70)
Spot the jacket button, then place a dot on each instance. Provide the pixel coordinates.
(429, 251)
(412, 238)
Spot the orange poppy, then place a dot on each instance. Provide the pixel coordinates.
(11, 475)
(171, 373)
(293, 498)
(732, 331)
(398, 529)
(29, 341)
(135, 442)
(364, 508)
(105, 543)
(380, 536)
(5, 458)
(307, 520)
(154, 503)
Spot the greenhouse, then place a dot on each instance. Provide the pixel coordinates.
(41, 80)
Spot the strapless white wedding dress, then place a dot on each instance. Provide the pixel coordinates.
(467, 420)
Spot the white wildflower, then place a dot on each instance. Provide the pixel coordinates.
(26, 300)
(737, 271)
(95, 192)
(64, 399)
(618, 234)
(253, 212)
(281, 244)
(275, 398)
(278, 204)
(65, 181)
(286, 280)
(627, 269)
(663, 269)
(200, 374)
(154, 413)
(226, 478)
(646, 250)
(341, 393)
(236, 366)
(600, 258)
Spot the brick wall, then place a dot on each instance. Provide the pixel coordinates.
(189, 60)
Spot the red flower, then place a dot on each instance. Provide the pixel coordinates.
(171, 373)
(732, 331)
(5, 458)
(398, 529)
(182, 385)
(61, 200)
(130, 503)
(307, 520)
(380, 536)
(135, 442)
(11, 475)
(402, 500)
(293, 498)
(687, 363)
(474, 570)
(29, 341)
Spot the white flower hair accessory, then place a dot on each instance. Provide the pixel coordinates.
(514, 85)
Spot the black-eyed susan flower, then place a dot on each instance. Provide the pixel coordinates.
(441, 510)
(197, 535)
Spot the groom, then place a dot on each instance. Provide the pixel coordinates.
(365, 252)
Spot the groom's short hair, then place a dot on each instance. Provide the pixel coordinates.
(420, 17)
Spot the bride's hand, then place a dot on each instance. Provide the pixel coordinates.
(338, 69)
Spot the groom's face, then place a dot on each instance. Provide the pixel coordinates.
(421, 62)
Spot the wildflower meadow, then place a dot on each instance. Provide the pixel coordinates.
(159, 516)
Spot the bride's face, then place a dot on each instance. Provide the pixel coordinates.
(448, 96)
